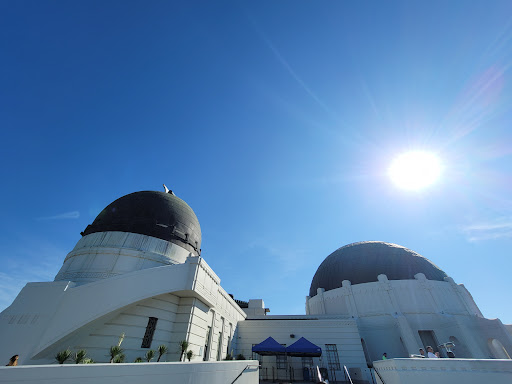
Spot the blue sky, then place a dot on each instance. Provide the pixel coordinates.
(275, 121)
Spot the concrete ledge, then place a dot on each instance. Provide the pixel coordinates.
(428, 371)
(221, 372)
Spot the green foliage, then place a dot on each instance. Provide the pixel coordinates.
(63, 356)
(80, 356)
(228, 357)
(240, 357)
(139, 360)
(190, 355)
(183, 344)
(88, 361)
(114, 351)
(149, 355)
(162, 350)
(119, 358)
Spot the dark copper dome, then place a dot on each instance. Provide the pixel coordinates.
(362, 262)
(158, 214)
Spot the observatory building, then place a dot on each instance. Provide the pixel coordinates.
(138, 271)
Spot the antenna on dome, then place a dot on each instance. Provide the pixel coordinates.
(167, 190)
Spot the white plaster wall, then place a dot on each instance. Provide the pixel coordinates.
(342, 332)
(191, 373)
(390, 313)
(48, 317)
(428, 371)
(408, 296)
(132, 321)
(105, 254)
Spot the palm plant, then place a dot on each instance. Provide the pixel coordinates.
(183, 348)
(88, 361)
(190, 354)
(114, 351)
(138, 360)
(162, 350)
(63, 356)
(149, 355)
(119, 358)
(80, 356)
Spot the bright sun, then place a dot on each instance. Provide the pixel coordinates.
(415, 170)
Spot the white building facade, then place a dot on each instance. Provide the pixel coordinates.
(137, 271)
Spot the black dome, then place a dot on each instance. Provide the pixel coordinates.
(362, 262)
(158, 214)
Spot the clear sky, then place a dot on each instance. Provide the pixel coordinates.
(275, 120)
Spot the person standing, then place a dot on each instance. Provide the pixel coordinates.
(430, 353)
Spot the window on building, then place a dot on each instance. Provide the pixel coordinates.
(281, 362)
(150, 331)
(207, 344)
(307, 362)
(428, 339)
(230, 338)
(219, 345)
(332, 357)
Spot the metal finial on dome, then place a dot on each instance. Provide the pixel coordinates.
(167, 190)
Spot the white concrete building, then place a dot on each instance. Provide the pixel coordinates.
(138, 271)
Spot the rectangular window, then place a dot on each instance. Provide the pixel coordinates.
(332, 357)
(230, 338)
(281, 362)
(150, 331)
(428, 339)
(207, 344)
(219, 345)
(307, 362)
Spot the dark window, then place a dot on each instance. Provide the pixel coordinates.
(307, 362)
(281, 362)
(332, 357)
(428, 339)
(207, 344)
(150, 331)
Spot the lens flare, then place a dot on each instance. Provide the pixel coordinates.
(415, 170)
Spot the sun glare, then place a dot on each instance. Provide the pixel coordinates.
(415, 170)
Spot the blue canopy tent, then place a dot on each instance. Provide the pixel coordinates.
(304, 348)
(269, 347)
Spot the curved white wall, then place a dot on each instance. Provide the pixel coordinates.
(105, 254)
(394, 315)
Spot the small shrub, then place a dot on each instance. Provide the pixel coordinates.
(63, 356)
(149, 355)
(162, 350)
(114, 351)
(183, 344)
(119, 358)
(190, 355)
(80, 356)
(240, 357)
(138, 360)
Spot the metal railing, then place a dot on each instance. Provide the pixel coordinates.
(347, 375)
(243, 370)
